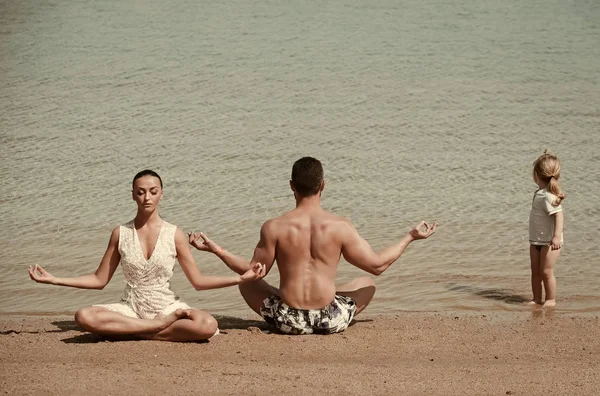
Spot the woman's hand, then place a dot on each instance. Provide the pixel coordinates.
(255, 273)
(206, 245)
(40, 275)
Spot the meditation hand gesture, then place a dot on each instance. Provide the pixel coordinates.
(40, 275)
(255, 273)
(206, 245)
(423, 230)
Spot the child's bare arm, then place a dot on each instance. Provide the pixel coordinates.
(558, 231)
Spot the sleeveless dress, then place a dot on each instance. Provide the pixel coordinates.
(148, 291)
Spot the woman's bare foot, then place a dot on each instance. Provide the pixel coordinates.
(549, 304)
(165, 321)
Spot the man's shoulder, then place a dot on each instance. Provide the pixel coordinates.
(336, 225)
(278, 222)
(292, 218)
(270, 226)
(334, 218)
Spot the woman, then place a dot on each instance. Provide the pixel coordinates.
(147, 247)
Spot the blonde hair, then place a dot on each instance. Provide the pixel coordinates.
(547, 168)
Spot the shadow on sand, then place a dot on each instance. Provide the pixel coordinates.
(233, 323)
(63, 326)
(225, 323)
(492, 294)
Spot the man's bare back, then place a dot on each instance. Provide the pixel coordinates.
(307, 243)
(308, 248)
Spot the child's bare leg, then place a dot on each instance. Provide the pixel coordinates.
(536, 275)
(100, 320)
(548, 259)
(196, 326)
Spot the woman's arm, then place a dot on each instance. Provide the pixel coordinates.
(263, 253)
(97, 280)
(235, 263)
(203, 282)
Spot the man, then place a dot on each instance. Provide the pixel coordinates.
(307, 243)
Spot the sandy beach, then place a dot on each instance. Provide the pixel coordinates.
(525, 353)
(419, 111)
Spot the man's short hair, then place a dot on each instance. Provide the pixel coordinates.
(307, 176)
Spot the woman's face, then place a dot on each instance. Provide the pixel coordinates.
(147, 193)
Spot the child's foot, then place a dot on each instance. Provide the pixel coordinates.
(549, 304)
(533, 302)
(165, 321)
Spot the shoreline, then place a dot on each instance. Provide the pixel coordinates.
(501, 311)
(407, 353)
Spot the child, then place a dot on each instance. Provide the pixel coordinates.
(545, 228)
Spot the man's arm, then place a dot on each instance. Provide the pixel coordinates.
(357, 251)
(263, 253)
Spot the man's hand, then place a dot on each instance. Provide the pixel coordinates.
(205, 245)
(255, 273)
(40, 275)
(423, 230)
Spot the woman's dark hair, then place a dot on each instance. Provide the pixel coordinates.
(147, 172)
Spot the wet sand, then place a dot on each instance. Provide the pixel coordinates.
(527, 353)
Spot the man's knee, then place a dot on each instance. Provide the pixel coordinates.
(367, 281)
(259, 289)
(364, 284)
(243, 288)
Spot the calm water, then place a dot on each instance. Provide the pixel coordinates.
(419, 110)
